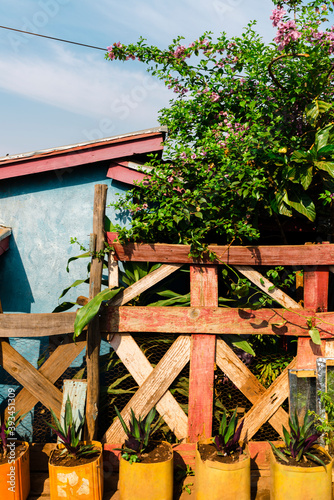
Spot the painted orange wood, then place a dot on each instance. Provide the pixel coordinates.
(285, 255)
(214, 320)
(203, 292)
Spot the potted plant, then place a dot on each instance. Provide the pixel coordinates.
(75, 467)
(300, 469)
(146, 466)
(222, 464)
(14, 462)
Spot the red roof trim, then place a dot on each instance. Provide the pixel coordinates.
(121, 173)
(82, 155)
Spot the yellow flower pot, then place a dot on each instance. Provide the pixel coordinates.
(219, 481)
(84, 482)
(141, 481)
(300, 483)
(15, 476)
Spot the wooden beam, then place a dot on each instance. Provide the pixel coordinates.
(203, 292)
(285, 255)
(51, 369)
(93, 333)
(36, 325)
(247, 383)
(214, 320)
(154, 387)
(316, 281)
(268, 404)
(17, 366)
(140, 368)
(143, 284)
(266, 286)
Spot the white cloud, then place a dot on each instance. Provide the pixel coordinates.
(83, 85)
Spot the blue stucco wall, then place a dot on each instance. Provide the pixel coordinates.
(44, 211)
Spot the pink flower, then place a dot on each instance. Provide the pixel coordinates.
(193, 156)
(183, 155)
(214, 97)
(170, 178)
(277, 15)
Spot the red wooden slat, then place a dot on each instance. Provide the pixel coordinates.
(203, 292)
(214, 320)
(287, 255)
(315, 298)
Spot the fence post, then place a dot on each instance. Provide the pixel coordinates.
(203, 292)
(316, 298)
(93, 333)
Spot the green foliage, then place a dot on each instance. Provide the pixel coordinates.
(228, 437)
(299, 441)
(69, 434)
(325, 425)
(250, 132)
(139, 434)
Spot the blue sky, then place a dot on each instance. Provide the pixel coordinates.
(53, 94)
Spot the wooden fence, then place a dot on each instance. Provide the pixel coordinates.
(196, 327)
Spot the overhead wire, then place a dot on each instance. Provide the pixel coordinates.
(54, 38)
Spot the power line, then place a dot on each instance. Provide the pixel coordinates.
(53, 38)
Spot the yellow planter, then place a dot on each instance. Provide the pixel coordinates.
(15, 477)
(219, 481)
(80, 482)
(139, 481)
(300, 483)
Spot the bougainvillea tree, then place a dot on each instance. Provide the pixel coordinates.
(251, 132)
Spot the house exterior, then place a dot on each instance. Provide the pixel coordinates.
(46, 198)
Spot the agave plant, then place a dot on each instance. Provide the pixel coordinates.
(227, 441)
(139, 434)
(69, 434)
(299, 441)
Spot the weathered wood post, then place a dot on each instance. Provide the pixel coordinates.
(93, 334)
(315, 298)
(203, 292)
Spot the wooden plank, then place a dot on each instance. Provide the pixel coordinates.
(285, 255)
(316, 282)
(93, 333)
(264, 284)
(36, 325)
(51, 369)
(17, 366)
(267, 404)
(203, 292)
(214, 320)
(49, 324)
(246, 382)
(154, 387)
(140, 368)
(144, 283)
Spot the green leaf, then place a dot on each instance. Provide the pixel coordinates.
(240, 343)
(314, 109)
(82, 256)
(304, 205)
(328, 166)
(315, 335)
(90, 310)
(76, 283)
